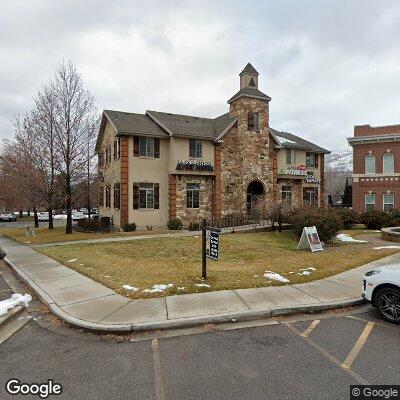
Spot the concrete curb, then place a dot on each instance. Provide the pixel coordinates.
(182, 322)
(10, 315)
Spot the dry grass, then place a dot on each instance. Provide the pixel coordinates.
(244, 258)
(45, 235)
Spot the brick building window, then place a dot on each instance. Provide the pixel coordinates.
(116, 196)
(310, 196)
(192, 195)
(388, 202)
(369, 164)
(108, 196)
(253, 121)
(388, 163)
(369, 202)
(195, 148)
(287, 193)
(312, 160)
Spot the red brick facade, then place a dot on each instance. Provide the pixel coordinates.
(124, 149)
(376, 141)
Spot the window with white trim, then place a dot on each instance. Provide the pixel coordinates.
(369, 202)
(146, 195)
(195, 148)
(388, 163)
(369, 164)
(287, 193)
(290, 156)
(146, 147)
(388, 202)
(193, 195)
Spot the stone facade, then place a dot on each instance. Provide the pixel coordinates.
(188, 215)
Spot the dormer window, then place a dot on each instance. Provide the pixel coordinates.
(253, 119)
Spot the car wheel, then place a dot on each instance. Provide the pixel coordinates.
(387, 302)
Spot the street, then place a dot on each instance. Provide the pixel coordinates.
(23, 224)
(297, 357)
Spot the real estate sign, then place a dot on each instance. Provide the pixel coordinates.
(310, 240)
(212, 245)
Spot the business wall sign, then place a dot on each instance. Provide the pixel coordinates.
(189, 165)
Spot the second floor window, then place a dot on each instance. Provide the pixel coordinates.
(195, 148)
(388, 163)
(290, 156)
(146, 147)
(108, 196)
(253, 121)
(369, 164)
(116, 149)
(312, 160)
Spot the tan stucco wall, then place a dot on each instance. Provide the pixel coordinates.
(111, 173)
(300, 159)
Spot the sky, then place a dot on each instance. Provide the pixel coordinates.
(328, 65)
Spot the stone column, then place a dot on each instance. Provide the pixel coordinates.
(217, 184)
(172, 196)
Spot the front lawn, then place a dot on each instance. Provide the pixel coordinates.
(244, 258)
(45, 235)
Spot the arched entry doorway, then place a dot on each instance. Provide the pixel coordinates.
(255, 198)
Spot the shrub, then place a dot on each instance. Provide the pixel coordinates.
(375, 219)
(175, 224)
(85, 225)
(194, 226)
(393, 218)
(326, 220)
(129, 227)
(349, 217)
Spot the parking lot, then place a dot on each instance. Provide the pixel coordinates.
(22, 224)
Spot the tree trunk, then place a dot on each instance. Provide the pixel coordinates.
(68, 228)
(51, 225)
(20, 213)
(29, 212)
(36, 217)
(280, 221)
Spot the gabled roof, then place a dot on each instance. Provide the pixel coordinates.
(249, 69)
(288, 140)
(249, 92)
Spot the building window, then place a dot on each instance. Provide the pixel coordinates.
(369, 164)
(310, 196)
(253, 121)
(108, 196)
(195, 148)
(116, 196)
(290, 157)
(287, 193)
(116, 149)
(388, 202)
(369, 202)
(146, 147)
(146, 195)
(312, 160)
(388, 163)
(101, 196)
(193, 195)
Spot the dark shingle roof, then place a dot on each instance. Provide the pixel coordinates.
(288, 140)
(249, 69)
(249, 92)
(133, 124)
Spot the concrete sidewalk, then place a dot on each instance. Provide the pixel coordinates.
(85, 303)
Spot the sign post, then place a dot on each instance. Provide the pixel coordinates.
(210, 245)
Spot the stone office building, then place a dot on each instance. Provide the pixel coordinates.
(159, 166)
(376, 167)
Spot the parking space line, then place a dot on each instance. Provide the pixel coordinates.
(358, 346)
(310, 328)
(329, 356)
(160, 395)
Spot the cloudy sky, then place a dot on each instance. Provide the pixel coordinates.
(328, 65)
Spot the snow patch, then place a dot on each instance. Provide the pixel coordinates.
(158, 288)
(202, 285)
(343, 237)
(73, 260)
(16, 299)
(181, 288)
(386, 247)
(129, 287)
(275, 277)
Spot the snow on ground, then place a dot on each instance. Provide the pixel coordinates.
(181, 288)
(158, 288)
(73, 260)
(275, 277)
(202, 285)
(343, 237)
(306, 271)
(386, 247)
(129, 287)
(16, 299)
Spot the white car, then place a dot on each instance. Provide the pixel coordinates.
(60, 216)
(76, 216)
(43, 216)
(382, 288)
(8, 216)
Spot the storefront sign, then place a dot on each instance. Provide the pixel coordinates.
(194, 166)
(300, 170)
(312, 179)
(310, 239)
(212, 248)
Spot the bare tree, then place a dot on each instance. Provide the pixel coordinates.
(75, 115)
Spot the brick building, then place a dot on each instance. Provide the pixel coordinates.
(158, 166)
(376, 167)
